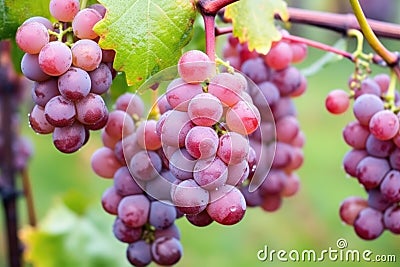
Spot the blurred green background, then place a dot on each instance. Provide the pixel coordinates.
(309, 220)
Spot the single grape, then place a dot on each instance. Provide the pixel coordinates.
(205, 109)
(91, 109)
(243, 118)
(31, 37)
(38, 121)
(337, 101)
(201, 142)
(369, 224)
(60, 112)
(272, 202)
(227, 205)
(70, 138)
(201, 219)
(124, 183)
(378, 148)
(166, 251)
(47, 23)
(147, 136)
(377, 200)
(355, 135)
(99, 8)
(233, 148)
(365, 106)
(160, 187)
(134, 210)
(384, 125)
(371, 171)
(42, 92)
(238, 173)
(31, 69)
(287, 80)
(161, 215)
(299, 51)
(291, 185)
(175, 128)
(55, 58)
(227, 87)
(390, 186)
(126, 234)
(86, 54)
(131, 104)
(104, 163)
(64, 10)
(83, 23)
(110, 200)
(119, 124)
(383, 80)
(145, 165)
(279, 56)
(256, 70)
(139, 253)
(74, 84)
(287, 128)
(210, 173)
(189, 197)
(351, 160)
(101, 79)
(350, 208)
(391, 219)
(368, 86)
(179, 93)
(194, 66)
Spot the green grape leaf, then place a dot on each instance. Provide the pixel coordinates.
(147, 35)
(13, 13)
(253, 22)
(69, 238)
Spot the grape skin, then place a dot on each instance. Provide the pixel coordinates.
(74, 84)
(83, 23)
(31, 37)
(55, 58)
(64, 10)
(195, 66)
(86, 54)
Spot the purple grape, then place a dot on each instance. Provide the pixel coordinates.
(365, 107)
(161, 215)
(351, 160)
(124, 183)
(166, 250)
(101, 79)
(390, 186)
(391, 219)
(355, 135)
(70, 138)
(134, 210)
(369, 224)
(139, 253)
(60, 112)
(189, 197)
(42, 92)
(379, 148)
(201, 219)
(371, 171)
(124, 233)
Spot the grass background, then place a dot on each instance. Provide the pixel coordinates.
(309, 220)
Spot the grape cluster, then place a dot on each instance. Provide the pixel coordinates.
(374, 158)
(277, 144)
(188, 157)
(12, 89)
(70, 72)
(140, 194)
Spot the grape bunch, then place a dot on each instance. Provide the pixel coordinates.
(70, 72)
(373, 160)
(187, 158)
(279, 134)
(12, 89)
(140, 194)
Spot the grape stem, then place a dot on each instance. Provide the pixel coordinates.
(211, 7)
(340, 22)
(390, 58)
(390, 95)
(29, 197)
(209, 24)
(318, 45)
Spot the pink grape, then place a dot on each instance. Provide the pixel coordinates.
(147, 136)
(38, 121)
(280, 56)
(205, 109)
(31, 37)
(101, 79)
(384, 125)
(131, 104)
(243, 118)
(74, 84)
(119, 124)
(31, 69)
(70, 138)
(201, 142)
(350, 208)
(60, 112)
(227, 205)
(84, 22)
(189, 197)
(179, 93)
(194, 66)
(86, 54)
(227, 87)
(369, 224)
(134, 210)
(64, 10)
(55, 58)
(104, 163)
(42, 92)
(91, 109)
(110, 200)
(210, 173)
(233, 148)
(337, 101)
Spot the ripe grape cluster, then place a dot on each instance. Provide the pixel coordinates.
(374, 159)
(70, 72)
(278, 81)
